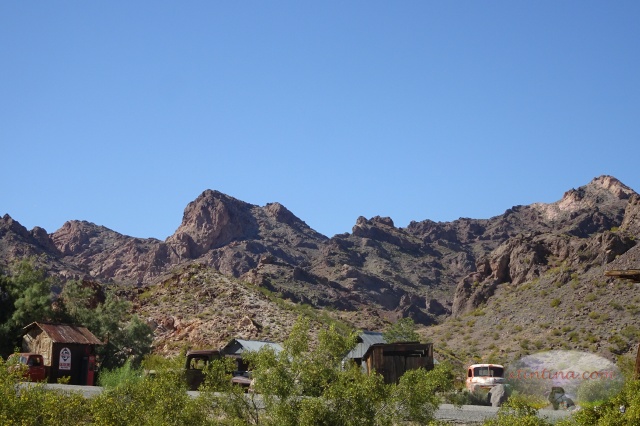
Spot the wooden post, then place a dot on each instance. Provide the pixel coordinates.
(636, 372)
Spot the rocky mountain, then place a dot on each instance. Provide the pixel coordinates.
(434, 272)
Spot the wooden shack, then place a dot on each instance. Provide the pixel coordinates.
(392, 360)
(363, 343)
(68, 351)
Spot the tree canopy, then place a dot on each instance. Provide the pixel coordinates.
(26, 296)
(311, 385)
(403, 330)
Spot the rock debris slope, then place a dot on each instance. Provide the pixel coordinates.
(430, 271)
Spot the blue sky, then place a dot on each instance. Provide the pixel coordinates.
(121, 113)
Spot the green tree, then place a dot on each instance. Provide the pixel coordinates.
(305, 385)
(150, 401)
(110, 319)
(25, 296)
(403, 330)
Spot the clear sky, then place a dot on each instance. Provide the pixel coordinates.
(121, 113)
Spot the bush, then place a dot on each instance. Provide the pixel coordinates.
(596, 391)
(34, 405)
(622, 409)
(305, 386)
(518, 411)
(119, 376)
(299, 386)
(158, 400)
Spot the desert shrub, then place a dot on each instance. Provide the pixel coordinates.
(622, 409)
(310, 386)
(633, 309)
(119, 376)
(618, 344)
(631, 332)
(34, 405)
(616, 306)
(596, 391)
(158, 400)
(517, 411)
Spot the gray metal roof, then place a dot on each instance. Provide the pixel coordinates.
(237, 346)
(365, 339)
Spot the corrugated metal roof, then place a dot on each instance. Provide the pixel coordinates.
(400, 347)
(365, 339)
(254, 345)
(62, 333)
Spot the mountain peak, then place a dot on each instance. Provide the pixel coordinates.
(602, 192)
(613, 185)
(213, 220)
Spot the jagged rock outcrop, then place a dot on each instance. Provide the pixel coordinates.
(212, 221)
(631, 221)
(427, 270)
(17, 242)
(106, 255)
(577, 233)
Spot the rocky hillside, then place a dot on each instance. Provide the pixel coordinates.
(510, 268)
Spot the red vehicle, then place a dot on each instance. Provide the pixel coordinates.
(35, 371)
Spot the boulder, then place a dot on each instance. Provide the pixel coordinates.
(498, 395)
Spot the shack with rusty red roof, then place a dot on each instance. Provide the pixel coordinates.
(67, 351)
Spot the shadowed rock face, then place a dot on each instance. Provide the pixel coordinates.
(428, 270)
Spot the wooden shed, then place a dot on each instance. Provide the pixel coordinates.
(393, 359)
(363, 343)
(68, 350)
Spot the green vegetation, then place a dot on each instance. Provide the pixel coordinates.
(319, 316)
(621, 409)
(518, 410)
(26, 296)
(304, 386)
(119, 376)
(403, 330)
(299, 386)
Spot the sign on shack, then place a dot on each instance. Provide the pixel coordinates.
(392, 360)
(67, 351)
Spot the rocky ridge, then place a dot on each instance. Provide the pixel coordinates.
(433, 272)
